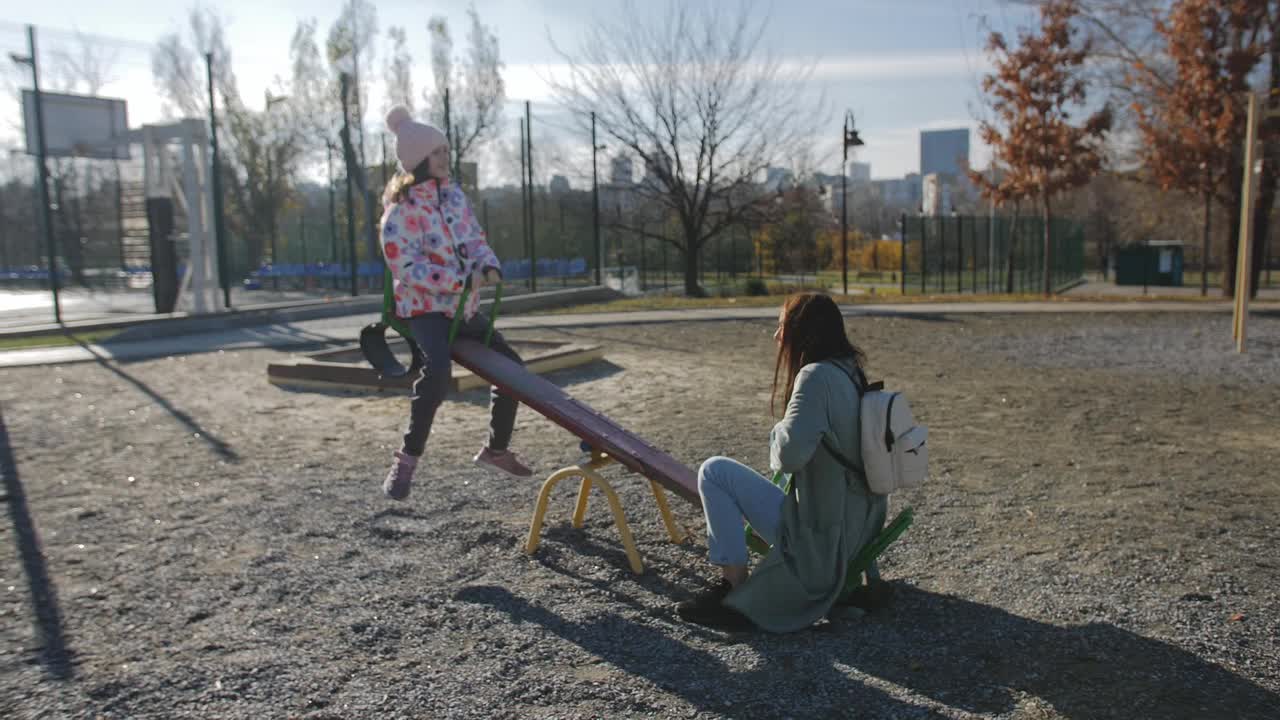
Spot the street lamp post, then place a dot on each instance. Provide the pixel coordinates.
(849, 138)
(271, 188)
(333, 218)
(595, 201)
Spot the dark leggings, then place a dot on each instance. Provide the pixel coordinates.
(431, 331)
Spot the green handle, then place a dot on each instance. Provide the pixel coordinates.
(389, 308)
(493, 314)
(460, 311)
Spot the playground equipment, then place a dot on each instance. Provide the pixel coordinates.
(604, 440)
(62, 125)
(1244, 253)
(607, 442)
(373, 338)
(375, 363)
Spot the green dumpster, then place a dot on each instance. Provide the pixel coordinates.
(1154, 263)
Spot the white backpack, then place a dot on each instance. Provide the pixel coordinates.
(894, 454)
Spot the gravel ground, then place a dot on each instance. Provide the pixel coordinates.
(1099, 539)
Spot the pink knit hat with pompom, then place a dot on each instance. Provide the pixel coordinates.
(414, 140)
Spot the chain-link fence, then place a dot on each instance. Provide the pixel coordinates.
(988, 254)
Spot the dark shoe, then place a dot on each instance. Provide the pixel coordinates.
(870, 598)
(708, 608)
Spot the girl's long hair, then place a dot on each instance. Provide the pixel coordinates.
(812, 331)
(398, 187)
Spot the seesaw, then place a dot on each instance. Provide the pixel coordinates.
(607, 443)
(375, 363)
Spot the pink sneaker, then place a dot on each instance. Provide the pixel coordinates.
(396, 486)
(503, 461)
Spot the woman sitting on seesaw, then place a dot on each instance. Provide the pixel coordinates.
(829, 515)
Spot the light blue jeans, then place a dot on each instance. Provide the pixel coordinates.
(731, 492)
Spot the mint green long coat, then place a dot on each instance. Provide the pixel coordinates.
(830, 513)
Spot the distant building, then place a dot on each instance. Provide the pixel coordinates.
(778, 179)
(470, 177)
(560, 184)
(944, 152)
(859, 174)
(904, 193)
(825, 180)
(621, 171)
(936, 195)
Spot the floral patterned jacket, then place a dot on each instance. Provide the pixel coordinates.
(433, 242)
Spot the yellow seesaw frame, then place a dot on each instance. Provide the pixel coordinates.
(590, 476)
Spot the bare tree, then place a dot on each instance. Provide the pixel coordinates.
(261, 149)
(177, 66)
(704, 107)
(476, 89)
(86, 67)
(351, 50)
(312, 94)
(398, 71)
(441, 65)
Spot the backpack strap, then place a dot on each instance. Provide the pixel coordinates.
(861, 386)
(826, 443)
(888, 423)
(860, 383)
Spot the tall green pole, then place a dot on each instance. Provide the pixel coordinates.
(41, 152)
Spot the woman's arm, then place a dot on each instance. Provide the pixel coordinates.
(795, 438)
(409, 263)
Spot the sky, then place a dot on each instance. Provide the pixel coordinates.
(901, 66)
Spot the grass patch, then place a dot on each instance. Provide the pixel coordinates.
(58, 340)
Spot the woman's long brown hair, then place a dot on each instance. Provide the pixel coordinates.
(812, 331)
(398, 188)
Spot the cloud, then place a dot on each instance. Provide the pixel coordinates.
(955, 63)
(529, 81)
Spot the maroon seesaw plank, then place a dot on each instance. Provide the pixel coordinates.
(545, 398)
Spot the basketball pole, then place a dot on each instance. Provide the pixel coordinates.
(41, 151)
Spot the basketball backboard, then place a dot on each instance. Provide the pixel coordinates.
(77, 125)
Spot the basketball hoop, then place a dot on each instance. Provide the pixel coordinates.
(84, 126)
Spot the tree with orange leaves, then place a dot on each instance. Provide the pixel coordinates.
(1033, 92)
(1192, 121)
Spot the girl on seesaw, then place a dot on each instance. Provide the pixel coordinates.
(434, 245)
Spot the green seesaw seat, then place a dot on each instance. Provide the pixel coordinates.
(862, 563)
(373, 338)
